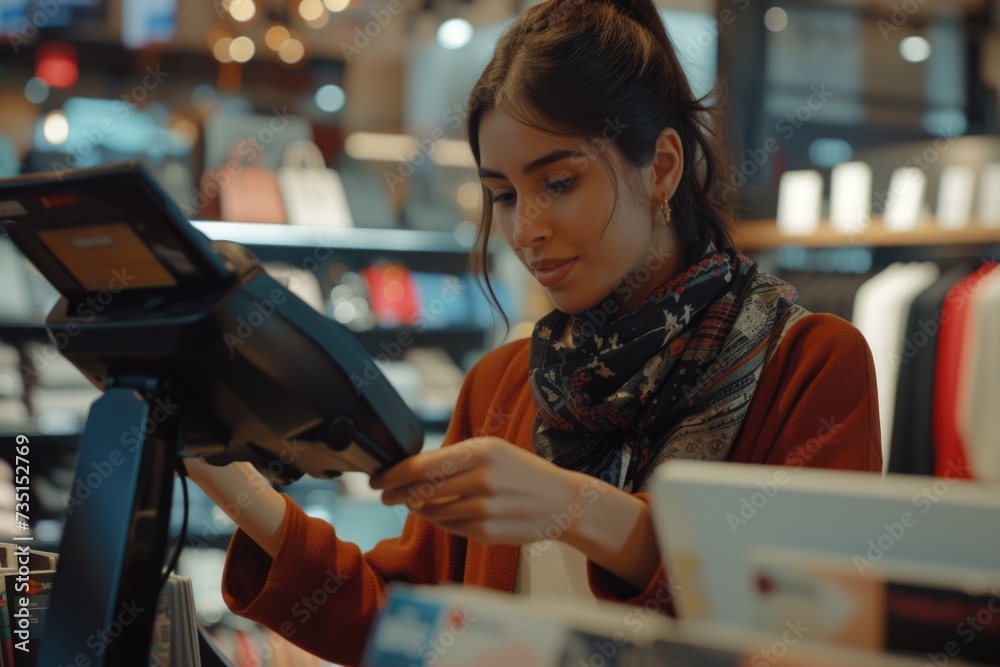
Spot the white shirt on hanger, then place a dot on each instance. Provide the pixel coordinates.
(881, 308)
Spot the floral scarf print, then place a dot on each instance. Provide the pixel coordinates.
(672, 379)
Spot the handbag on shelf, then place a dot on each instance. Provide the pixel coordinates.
(247, 193)
(314, 195)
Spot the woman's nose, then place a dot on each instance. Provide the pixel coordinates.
(531, 225)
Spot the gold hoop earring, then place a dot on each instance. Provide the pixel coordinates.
(665, 210)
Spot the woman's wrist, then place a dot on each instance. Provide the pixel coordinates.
(245, 496)
(613, 529)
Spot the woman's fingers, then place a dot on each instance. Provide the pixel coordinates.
(432, 466)
(470, 483)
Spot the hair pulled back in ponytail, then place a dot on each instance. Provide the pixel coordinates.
(576, 68)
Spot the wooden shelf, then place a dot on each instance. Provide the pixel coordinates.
(753, 235)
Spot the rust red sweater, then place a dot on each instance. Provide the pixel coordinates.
(815, 405)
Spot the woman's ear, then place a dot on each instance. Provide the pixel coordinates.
(668, 165)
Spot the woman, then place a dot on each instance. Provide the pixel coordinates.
(609, 181)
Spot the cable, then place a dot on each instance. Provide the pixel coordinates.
(182, 473)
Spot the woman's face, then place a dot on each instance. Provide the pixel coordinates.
(553, 201)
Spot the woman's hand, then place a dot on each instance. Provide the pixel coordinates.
(491, 491)
(488, 490)
(245, 496)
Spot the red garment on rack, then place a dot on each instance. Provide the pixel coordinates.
(949, 449)
(815, 405)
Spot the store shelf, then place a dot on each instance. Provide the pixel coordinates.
(19, 333)
(371, 240)
(753, 235)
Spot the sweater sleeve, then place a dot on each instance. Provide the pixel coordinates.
(820, 404)
(321, 592)
(815, 405)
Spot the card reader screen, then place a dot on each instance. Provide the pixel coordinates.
(107, 255)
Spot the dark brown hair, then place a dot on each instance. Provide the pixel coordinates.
(574, 67)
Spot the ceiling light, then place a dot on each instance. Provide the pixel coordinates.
(292, 51)
(276, 36)
(776, 19)
(915, 49)
(56, 127)
(454, 33)
(331, 98)
(242, 49)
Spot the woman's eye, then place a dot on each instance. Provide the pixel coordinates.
(561, 185)
(503, 199)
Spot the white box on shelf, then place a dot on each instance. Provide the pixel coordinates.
(851, 197)
(905, 198)
(955, 195)
(800, 202)
(989, 196)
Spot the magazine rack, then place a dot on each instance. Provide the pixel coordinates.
(199, 353)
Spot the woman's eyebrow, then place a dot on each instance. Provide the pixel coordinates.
(534, 165)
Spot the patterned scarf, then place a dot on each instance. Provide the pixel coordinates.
(671, 379)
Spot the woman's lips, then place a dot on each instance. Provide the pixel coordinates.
(555, 275)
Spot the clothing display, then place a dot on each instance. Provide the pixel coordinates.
(912, 448)
(949, 448)
(932, 334)
(880, 312)
(812, 407)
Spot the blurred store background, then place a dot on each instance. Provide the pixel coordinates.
(328, 135)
